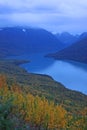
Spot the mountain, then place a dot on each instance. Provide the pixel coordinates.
(83, 35)
(18, 40)
(67, 38)
(76, 52)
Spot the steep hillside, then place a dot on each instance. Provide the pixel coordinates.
(42, 85)
(76, 52)
(21, 110)
(17, 40)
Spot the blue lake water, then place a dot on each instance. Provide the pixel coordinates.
(71, 74)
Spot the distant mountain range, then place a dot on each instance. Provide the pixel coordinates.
(18, 40)
(76, 52)
(83, 35)
(67, 38)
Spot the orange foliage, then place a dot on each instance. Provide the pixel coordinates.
(37, 111)
(3, 83)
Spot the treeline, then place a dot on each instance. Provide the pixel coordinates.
(20, 110)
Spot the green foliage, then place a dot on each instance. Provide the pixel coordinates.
(5, 111)
(42, 85)
(20, 110)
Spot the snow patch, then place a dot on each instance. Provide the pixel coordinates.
(24, 30)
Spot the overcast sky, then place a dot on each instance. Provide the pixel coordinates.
(53, 15)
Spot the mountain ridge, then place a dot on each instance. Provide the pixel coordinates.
(66, 38)
(76, 52)
(16, 40)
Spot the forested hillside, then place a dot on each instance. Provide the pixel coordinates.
(42, 85)
(76, 52)
(21, 110)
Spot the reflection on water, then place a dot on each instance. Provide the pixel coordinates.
(71, 74)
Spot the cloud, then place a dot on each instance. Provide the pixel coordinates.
(65, 7)
(51, 14)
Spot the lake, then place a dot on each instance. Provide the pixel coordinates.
(72, 75)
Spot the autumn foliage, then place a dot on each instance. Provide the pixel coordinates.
(38, 112)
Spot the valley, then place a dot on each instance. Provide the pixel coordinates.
(36, 72)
